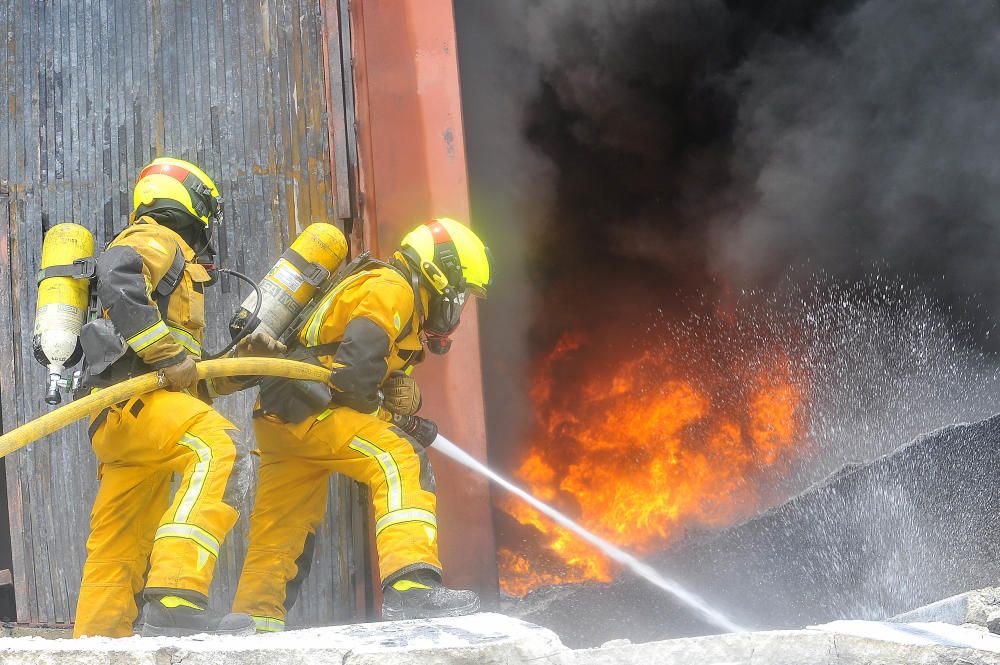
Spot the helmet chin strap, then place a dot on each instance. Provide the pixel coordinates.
(436, 344)
(205, 248)
(199, 239)
(418, 302)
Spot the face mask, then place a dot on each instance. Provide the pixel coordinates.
(443, 316)
(438, 345)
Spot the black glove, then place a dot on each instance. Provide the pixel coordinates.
(423, 430)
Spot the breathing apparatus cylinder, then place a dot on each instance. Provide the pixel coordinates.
(63, 298)
(293, 281)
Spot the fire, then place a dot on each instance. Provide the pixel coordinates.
(640, 455)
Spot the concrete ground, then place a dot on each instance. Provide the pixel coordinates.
(493, 639)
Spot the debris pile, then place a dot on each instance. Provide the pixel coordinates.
(870, 542)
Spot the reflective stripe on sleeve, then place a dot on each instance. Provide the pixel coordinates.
(394, 486)
(186, 340)
(405, 515)
(149, 336)
(199, 536)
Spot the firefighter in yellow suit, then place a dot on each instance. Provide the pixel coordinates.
(152, 293)
(370, 330)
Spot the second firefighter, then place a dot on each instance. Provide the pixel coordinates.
(370, 330)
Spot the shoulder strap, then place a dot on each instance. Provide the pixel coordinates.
(172, 279)
(414, 280)
(169, 283)
(376, 263)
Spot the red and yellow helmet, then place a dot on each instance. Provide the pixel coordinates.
(449, 254)
(452, 263)
(168, 183)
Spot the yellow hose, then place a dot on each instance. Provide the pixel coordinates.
(209, 369)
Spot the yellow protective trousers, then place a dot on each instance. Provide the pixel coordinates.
(296, 462)
(134, 524)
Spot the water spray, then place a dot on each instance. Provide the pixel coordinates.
(643, 570)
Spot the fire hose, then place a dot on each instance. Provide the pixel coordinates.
(209, 369)
(290, 369)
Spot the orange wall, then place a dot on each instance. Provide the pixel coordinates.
(412, 164)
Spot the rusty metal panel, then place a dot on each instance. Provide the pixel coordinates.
(92, 90)
(412, 166)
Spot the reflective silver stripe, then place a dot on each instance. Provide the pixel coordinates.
(198, 476)
(202, 538)
(405, 515)
(268, 624)
(389, 470)
(148, 336)
(186, 340)
(315, 322)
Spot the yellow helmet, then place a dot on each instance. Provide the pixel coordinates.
(453, 263)
(167, 183)
(449, 254)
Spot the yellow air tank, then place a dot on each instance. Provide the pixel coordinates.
(293, 281)
(63, 297)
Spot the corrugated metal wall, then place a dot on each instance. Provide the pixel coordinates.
(90, 90)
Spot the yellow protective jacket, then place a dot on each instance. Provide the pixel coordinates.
(373, 316)
(153, 293)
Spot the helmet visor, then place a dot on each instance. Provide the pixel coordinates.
(481, 290)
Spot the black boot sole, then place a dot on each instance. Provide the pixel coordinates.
(392, 614)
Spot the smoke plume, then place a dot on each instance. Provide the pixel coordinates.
(629, 155)
(699, 139)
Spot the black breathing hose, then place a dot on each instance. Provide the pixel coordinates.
(256, 310)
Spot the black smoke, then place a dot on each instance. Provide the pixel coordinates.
(735, 140)
(629, 155)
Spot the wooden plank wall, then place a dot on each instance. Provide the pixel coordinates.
(91, 90)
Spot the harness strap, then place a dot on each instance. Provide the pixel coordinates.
(98, 421)
(84, 268)
(314, 273)
(103, 415)
(169, 283)
(327, 349)
(172, 279)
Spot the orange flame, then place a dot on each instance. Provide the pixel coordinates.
(641, 455)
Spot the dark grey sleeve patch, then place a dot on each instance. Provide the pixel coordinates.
(122, 290)
(362, 359)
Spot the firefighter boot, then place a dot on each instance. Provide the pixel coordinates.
(420, 595)
(173, 616)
